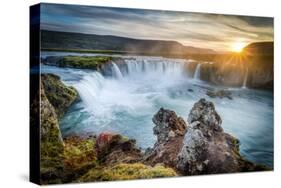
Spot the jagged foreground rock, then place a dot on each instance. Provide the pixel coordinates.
(197, 147)
(207, 149)
(170, 130)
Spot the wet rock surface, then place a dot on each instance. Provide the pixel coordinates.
(220, 94)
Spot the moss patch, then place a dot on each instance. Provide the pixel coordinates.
(59, 95)
(79, 152)
(84, 62)
(126, 172)
(79, 157)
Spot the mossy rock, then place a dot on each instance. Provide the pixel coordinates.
(79, 151)
(51, 145)
(127, 172)
(79, 157)
(59, 95)
(84, 62)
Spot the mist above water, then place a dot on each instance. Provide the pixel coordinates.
(125, 100)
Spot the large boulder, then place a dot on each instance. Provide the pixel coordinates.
(207, 148)
(170, 130)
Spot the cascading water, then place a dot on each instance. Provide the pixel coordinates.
(101, 95)
(154, 66)
(126, 101)
(89, 90)
(197, 72)
(244, 86)
(116, 71)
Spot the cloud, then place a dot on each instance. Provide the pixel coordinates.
(203, 30)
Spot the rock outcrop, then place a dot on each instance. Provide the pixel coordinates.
(59, 95)
(207, 148)
(220, 94)
(51, 144)
(170, 130)
(55, 98)
(197, 147)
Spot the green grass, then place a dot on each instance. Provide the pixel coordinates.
(84, 62)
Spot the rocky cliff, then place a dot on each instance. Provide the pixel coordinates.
(51, 145)
(252, 68)
(55, 97)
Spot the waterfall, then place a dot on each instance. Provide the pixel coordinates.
(245, 80)
(116, 71)
(197, 72)
(154, 67)
(98, 91)
(89, 89)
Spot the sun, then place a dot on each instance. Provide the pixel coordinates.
(238, 46)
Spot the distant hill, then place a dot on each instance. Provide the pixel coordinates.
(78, 41)
(260, 48)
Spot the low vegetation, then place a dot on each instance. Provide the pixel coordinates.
(84, 62)
(79, 152)
(126, 172)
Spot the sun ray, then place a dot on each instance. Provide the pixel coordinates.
(238, 46)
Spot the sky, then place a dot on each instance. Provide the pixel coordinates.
(214, 31)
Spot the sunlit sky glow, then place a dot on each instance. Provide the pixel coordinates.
(218, 32)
